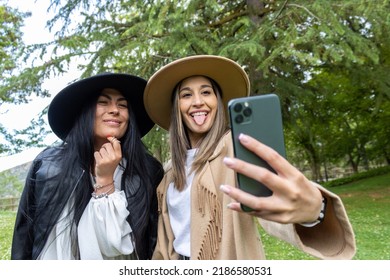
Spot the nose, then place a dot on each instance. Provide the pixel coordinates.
(113, 109)
(198, 100)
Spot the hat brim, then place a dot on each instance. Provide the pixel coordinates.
(67, 105)
(229, 75)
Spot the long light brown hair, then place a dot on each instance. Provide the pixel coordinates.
(179, 141)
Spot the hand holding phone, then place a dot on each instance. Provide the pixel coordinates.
(260, 117)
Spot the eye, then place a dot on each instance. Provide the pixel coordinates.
(122, 105)
(185, 94)
(102, 101)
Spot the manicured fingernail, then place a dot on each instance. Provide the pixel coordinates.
(225, 189)
(228, 161)
(243, 138)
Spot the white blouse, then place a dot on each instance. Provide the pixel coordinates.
(103, 232)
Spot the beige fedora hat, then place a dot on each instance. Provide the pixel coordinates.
(229, 75)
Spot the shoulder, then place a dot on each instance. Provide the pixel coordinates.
(224, 147)
(49, 158)
(48, 154)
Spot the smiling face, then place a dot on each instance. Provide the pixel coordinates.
(198, 106)
(111, 117)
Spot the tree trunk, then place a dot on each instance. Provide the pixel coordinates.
(354, 164)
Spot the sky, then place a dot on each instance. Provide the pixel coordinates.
(19, 116)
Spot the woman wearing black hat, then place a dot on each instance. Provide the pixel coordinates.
(94, 196)
(189, 97)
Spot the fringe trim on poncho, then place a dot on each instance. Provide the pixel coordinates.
(212, 237)
(160, 196)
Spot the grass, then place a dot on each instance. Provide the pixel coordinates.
(367, 202)
(7, 220)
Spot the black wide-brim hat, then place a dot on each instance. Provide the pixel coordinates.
(67, 105)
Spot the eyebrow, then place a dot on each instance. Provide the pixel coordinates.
(202, 86)
(109, 97)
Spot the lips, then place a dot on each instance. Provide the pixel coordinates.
(112, 122)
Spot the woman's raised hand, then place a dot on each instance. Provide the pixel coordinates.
(294, 200)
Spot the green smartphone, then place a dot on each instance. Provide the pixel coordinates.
(259, 116)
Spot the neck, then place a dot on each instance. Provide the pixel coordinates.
(195, 140)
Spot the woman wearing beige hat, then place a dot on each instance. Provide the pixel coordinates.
(199, 204)
(94, 195)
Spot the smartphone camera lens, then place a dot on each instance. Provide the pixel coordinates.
(247, 112)
(239, 119)
(238, 107)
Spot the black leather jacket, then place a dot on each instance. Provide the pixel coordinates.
(31, 231)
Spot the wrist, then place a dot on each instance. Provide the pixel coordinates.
(321, 215)
(101, 194)
(103, 190)
(101, 185)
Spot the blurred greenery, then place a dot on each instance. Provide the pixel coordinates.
(367, 202)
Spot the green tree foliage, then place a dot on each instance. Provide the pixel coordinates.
(10, 43)
(327, 60)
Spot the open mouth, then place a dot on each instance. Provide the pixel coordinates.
(199, 117)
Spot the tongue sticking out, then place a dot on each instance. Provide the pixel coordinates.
(199, 119)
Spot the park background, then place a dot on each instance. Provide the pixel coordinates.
(327, 60)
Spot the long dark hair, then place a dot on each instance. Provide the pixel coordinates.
(74, 161)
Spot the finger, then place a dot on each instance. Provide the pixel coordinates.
(262, 206)
(98, 157)
(112, 139)
(116, 145)
(106, 151)
(242, 197)
(258, 173)
(273, 158)
(236, 206)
